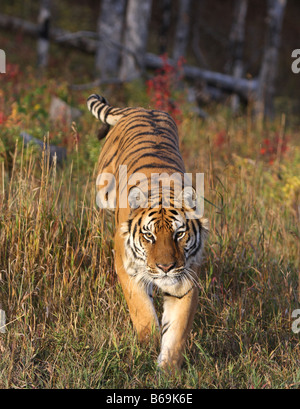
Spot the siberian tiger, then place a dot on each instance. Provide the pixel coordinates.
(155, 242)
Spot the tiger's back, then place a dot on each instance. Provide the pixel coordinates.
(145, 141)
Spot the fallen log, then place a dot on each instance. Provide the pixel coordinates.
(88, 42)
(81, 41)
(225, 82)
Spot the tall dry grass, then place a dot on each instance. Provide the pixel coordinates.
(67, 323)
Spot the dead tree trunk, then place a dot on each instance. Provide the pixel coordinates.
(236, 45)
(264, 104)
(182, 29)
(110, 28)
(135, 38)
(198, 53)
(166, 6)
(43, 33)
(2, 62)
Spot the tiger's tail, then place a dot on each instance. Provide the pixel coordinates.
(100, 108)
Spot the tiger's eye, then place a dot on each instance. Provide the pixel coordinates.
(180, 235)
(148, 235)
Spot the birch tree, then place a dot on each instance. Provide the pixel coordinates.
(182, 29)
(135, 38)
(236, 45)
(109, 28)
(43, 33)
(165, 7)
(268, 72)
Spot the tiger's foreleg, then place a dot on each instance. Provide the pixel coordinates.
(139, 301)
(177, 321)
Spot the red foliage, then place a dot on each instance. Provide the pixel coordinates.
(12, 72)
(274, 147)
(220, 139)
(162, 87)
(2, 118)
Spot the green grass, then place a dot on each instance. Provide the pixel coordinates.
(67, 320)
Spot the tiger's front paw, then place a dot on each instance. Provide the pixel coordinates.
(169, 361)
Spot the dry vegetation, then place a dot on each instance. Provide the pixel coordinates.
(67, 321)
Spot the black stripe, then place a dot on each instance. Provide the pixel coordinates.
(151, 155)
(128, 140)
(174, 212)
(107, 113)
(134, 230)
(152, 213)
(92, 104)
(157, 166)
(165, 328)
(156, 147)
(196, 246)
(110, 159)
(176, 296)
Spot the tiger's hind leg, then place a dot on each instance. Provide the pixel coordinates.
(139, 301)
(177, 321)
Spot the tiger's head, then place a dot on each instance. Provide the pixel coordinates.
(163, 244)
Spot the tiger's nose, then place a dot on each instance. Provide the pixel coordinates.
(166, 267)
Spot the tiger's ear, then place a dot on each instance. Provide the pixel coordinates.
(136, 197)
(188, 197)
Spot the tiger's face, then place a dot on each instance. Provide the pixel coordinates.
(161, 246)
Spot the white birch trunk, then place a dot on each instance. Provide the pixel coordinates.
(110, 28)
(266, 87)
(237, 39)
(182, 29)
(135, 38)
(44, 28)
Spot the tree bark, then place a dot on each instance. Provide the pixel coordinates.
(197, 25)
(264, 104)
(135, 38)
(236, 45)
(182, 29)
(166, 6)
(2, 62)
(109, 28)
(44, 30)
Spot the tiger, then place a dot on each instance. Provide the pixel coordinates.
(155, 243)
